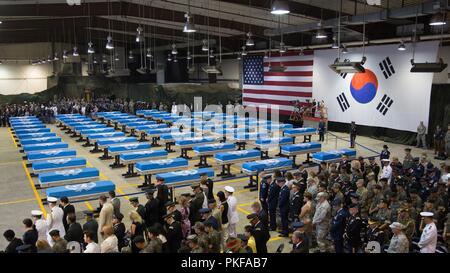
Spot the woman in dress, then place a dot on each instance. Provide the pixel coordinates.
(136, 229)
(185, 223)
(306, 214)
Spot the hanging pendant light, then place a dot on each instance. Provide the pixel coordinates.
(139, 37)
(344, 49)
(321, 34)
(65, 54)
(280, 7)
(266, 56)
(250, 41)
(175, 60)
(189, 56)
(239, 56)
(130, 55)
(55, 57)
(438, 19)
(90, 49)
(205, 45)
(335, 44)
(116, 57)
(244, 51)
(401, 46)
(49, 59)
(149, 53)
(211, 54)
(283, 48)
(104, 59)
(75, 51)
(189, 27)
(174, 49)
(109, 43)
(95, 61)
(169, 57)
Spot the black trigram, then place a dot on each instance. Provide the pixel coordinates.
(387, 68)
(343, 75)
(343, 102)
(384, 105)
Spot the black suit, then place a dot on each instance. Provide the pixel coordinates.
(163, 196)
(74, 233)
(29, 238)
(11, 248)
(67, 209)
(120, 232)
(261, 236)
(300, 248)
(92, 226)
(151, 212)
(264, 218)
(174, 237)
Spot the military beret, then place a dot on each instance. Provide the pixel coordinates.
(297, 184)
(252, 216)
(242, 237)
(167, 216)
(297, 224)
(373, 220)
(150, 190)
(134, 199)
(195, 185)
(138, 239)
(336, 202)
(352, 205)
(54, 232)
(88, 213)
(204, 210)
(170, 204)
(354, 195)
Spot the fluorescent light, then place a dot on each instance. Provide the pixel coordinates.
(250, 41)
(438, 19)
(188, 26)
(401, 46)
(321, 34)
(109, 43)
(280, 7)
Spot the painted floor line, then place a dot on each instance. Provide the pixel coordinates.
(17, 201)
(33, 187)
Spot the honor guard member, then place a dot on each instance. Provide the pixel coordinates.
(385, 154)
(196, 203)
(272, 203)
(162, 195)
(54, 219)
(338, 223)
(264, 190)
(428, 239)
(352, 234)
(151, 208)
(171, 208)
(295, 202)
(374, 233)
(261, 234)
(174, 235)
(140, 209)
(208, 218)
(40, 224)
(91, 225)
(283, 205)
(375, 167)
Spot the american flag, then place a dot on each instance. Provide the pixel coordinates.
(262, 87)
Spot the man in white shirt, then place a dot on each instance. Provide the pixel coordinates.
(40, 224)
(174, 108)
(92, 246)
(428, 239)
(233, 216)
(55, 219)
(386, 172)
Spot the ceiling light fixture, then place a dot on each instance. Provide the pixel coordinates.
(189, 27)
(250, 41)
(174, 49)
(90, 49)
(109, 43)
(139, 37)
(75, 52)
(205, 45)
(438, 19)
(169, 57)
(401, 46)
(65, 54)
(149, 53)
(280, 7)
(244, 51)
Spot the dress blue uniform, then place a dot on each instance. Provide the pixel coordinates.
(385, 154)
(337, 229)
(272, 203)
(283, 205)
(263, 193)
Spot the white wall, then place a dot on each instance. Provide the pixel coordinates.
(444, 76)
(17, 75)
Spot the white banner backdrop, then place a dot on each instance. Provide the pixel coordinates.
(386, 95)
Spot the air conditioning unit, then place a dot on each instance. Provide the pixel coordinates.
(428, 67)
(348, 67)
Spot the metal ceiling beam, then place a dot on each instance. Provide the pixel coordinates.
(422, 9)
